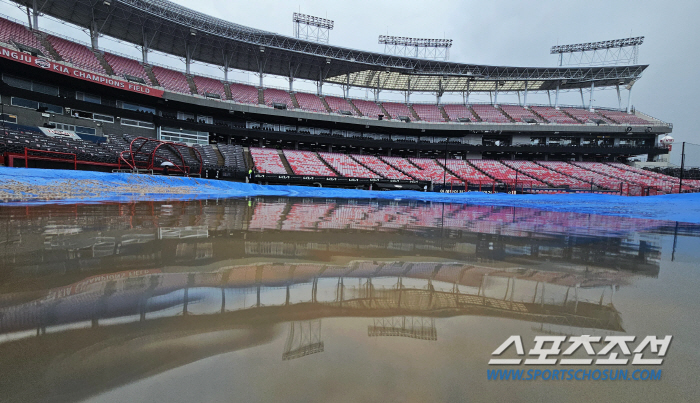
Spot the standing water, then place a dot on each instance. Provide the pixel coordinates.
(271, 299)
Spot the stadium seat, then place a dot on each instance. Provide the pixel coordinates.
(395, 110)
(275, 96)
(456, 112)
(546, 175)
(306, 163)
(209, 85)
(121, 66)
(171, 80)
(505, 174)
(554, 115)
(428, 112)
(310, 102)
(347, 166)
(488, 113)
(339, 105)
(12, 32)
(267, 160)
(380, 167)
(79, 55)
(368, 108)
(520, 114)
(245, 94)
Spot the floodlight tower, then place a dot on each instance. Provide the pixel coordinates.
(312, 28)
(437, 49)
(616, 51)
(603, 53)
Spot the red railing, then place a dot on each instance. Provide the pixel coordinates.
(27, 150)
(132, 163)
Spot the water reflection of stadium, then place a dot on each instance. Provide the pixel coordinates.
(113, 276)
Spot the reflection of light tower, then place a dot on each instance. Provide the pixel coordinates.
(437, 49)
(304, 338)
(312, 28)
(412, 327)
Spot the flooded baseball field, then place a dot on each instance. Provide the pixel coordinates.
(291, 299)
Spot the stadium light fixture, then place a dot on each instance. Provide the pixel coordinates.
(415, 42)
(313, 21)
(611, 44)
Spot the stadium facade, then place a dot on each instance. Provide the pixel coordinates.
(56, 86)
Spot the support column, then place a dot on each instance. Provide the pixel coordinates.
(590, 97)
(583, 103)
(556, 98)
(144, 54)
(629, 100)
(35, 16)
(549, 96)
(408, 92)
(466, 99)
(94, 35)
(188, 58)
(619, 98)
(525, 96)
(346, 90)
(260, 72)
(319, 85)
(495, 97)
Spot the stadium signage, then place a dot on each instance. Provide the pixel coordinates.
(45, 64)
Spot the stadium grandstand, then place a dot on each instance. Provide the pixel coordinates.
(67, 104)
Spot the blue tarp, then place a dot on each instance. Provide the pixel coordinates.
(104, 187)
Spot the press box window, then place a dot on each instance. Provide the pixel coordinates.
(81, 96)
(26, 103)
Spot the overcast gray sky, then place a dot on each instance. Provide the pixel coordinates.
(514, 32)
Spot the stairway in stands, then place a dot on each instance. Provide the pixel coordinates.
(386, 114)
(190, 81)
(357, 111)
(294, 100)
(151, 76)
(325, 104)
(103, 62)
(534, 112)
(504, 113)
(443, 113)
(220, 161)
(287, 167)
(413, 113)
(328, 165)
(47, 45)
(475, 117)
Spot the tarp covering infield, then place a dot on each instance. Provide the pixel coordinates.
(32, 186)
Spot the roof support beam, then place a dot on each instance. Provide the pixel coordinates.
(629, 99)
(590, 97)
(525, 96)
(556, 97)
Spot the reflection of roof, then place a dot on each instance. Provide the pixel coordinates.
(391, 289)
(177, 30)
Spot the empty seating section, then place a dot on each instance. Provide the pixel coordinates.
(122, 65)
(368, 108)
(233, 156)
(427, 112)
(467, 172)
(209, 85)
(275, 96)
(627, 176)
(396, 110)
(430, 170)
(79, 55)
(505, 174)
(582, 174)
(207, 153)
(554, 115)
(267, 160)
(380, 167)
(306, 163)
(623, 117)
(652, 174)
(406, 167)
(520, 114)
(13, 32)
(171, 80)
(245, 94)
(338, 105)
(546, 175)
(310, 102)
(488, 113)
(585, 116)
(346, 166)
(456, 112)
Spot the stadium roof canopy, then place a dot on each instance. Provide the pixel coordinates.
(170, 28)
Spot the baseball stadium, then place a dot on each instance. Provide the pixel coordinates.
(272, 217)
